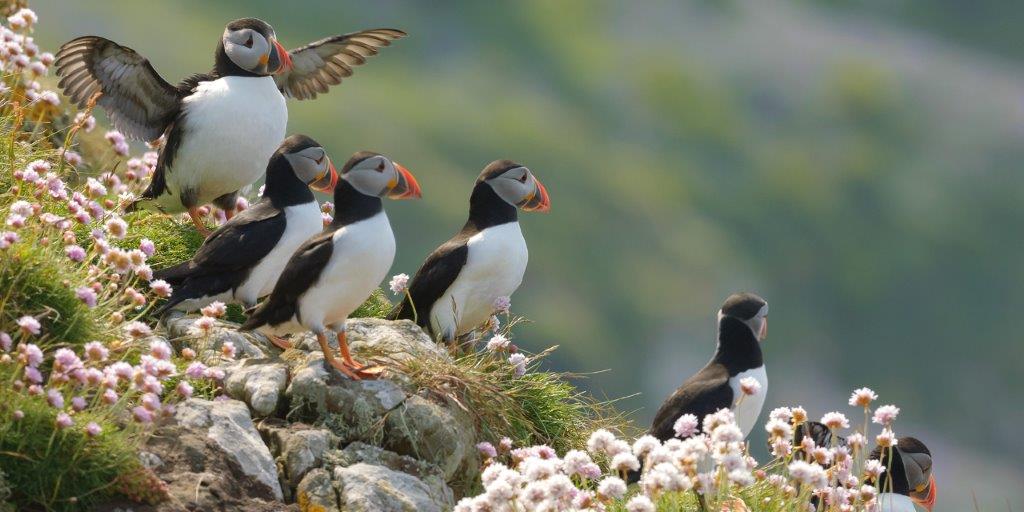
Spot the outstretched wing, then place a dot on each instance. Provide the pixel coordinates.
(138, 101)
(432, 279)
(319, 65)
(703, 394)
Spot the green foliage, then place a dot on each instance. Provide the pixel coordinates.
(60, 470)
(32, 283)
(175, 241)
(376, 305)
(541, 407)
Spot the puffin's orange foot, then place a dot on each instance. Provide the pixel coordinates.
(279, 342)
(370, 372)
(341, 367)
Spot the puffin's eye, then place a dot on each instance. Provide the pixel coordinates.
(380, 166)
(248, 42)
(522, 179)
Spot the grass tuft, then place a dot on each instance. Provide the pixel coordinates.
(376, 306)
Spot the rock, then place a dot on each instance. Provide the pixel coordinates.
(316, 493)
(208, 347)
(229, 427)
(379, 338)
(370, 479)
(353, 410)
(258, 382)
(441, 435)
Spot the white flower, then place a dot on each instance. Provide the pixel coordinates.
(399, 283)
(686, 426)
(519, 362)
(161, 288)
(886, 439)
(624, 461)
(214, 309)
(116, 227)
(862, 397)
(599, 441)
(873, 469)
(835, 420)
(497, 343)
(727, 433)
(778, 429)
(644, 445)
(640, 503)
(612, 487)
(885, 415)
(810, 474)
(749, 386)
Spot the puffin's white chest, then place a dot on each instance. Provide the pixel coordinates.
(301, 223)
(232, 126)
(363, 253)
(750, 407)
(893, 502)
(495, 264)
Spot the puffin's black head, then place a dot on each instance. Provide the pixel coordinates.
(911, 471)
(376, 175)
(749, 309)
(515, 185)
(251, 44)
(308, 160)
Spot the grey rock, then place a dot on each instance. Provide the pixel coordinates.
(384, 339)
(229, 427)
(247, 344)
(441, 435)
(368, 479)
(316, 493)
(304, 451)
(150, 460)
(259, 382)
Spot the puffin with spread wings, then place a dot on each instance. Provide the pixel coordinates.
(220, 127)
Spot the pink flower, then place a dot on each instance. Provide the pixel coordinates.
(214, 374)
(117, 227)
(161, 288)
(497, 343)
(749, 386)
(109, 397)
(885, 415)
(54, 398)
(862, 397)
(87, 295)
(87, 122)
(64, 421)
(228, 349)
(75, 253)
(326, 219)
(78, 403)
(93, 429)
(487, 450)
(5, 341)
(29, 325)
(886, 439)
(502, 304)
(241, 204)
(160, 350)
(188, 353)
(18, 415)
(686, 426)
(33, 375)
(147, 247)
(95, 351)
(114, 137)
(835, 420)
(8, 238)
(327, 207)
(196, 370)
(151, 401)
(519, 361)
(31, 355)
(202, 326)
(142, 415)
(399, 283)
(184, 389)
(137, 330)
(215, 309)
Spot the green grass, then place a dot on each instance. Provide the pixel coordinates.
(175, 241)
(376, 306)
(60, 470)
(541, 407)
(31, 283)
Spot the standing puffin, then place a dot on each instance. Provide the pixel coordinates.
(742, 325)
(454, 290)
(908, 478)
(242, 259)
(331, 274)
(221, 126)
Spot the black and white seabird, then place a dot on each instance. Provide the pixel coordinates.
(908, 478)
(221, 126)
(455, 288)
(331, 274)
(241, 260)
(742, 325)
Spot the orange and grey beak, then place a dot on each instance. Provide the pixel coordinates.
(328, 181)
(538, 201)
(284, 59)
(764, 330)
(928, 500)
(405, 186)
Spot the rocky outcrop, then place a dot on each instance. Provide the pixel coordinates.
(319, 441)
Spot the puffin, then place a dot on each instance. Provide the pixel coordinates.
(454, 290)
(242, 259)
(218, 128)
(333, 272)
(908, 478)
(742, 326)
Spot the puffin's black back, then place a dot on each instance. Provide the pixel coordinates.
(896, 472)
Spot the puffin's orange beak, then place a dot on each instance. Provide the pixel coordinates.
(406, 186)
(285, 58)
(928, 501)
(328, 181)
(539, 201)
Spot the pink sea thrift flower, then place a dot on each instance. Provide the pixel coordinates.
(147, 247)
(835, 420)
(215, 309)
(497, 343)
(519, 361)
(399, 283)
(55, 398)
(29, 325)
(78, 403)
(86, 295)
(142, 415)
(885, 415)
(137, 330)
(75, 253)
(64, 421)
(93, 429)
(502, 304)
(228, 349)
(161, 288)
(487, 450)
(184, 389)
(686, 426)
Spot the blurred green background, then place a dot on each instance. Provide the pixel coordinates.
(858, 163)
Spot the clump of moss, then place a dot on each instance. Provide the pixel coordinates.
(60, 469)
(32, 283)
(376, 306)
(540, 407)
(175, 242)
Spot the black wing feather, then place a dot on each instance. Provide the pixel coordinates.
(300, 274)
(704, 393)
(432, 279)
(138, 101)
(321, 64)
